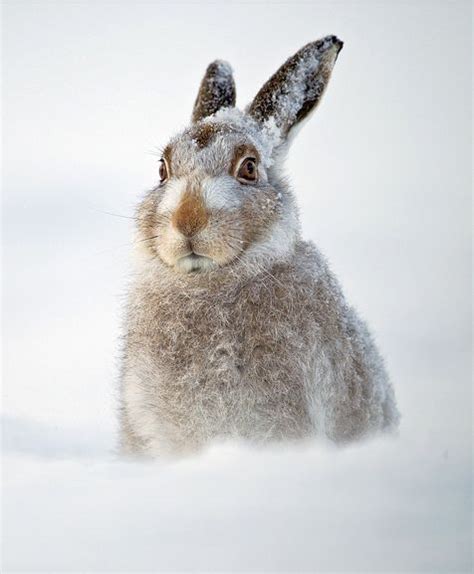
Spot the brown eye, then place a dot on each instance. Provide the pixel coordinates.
(163, 171)
(248, 170)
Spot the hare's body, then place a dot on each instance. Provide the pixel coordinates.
(235, 326)
(277, 355)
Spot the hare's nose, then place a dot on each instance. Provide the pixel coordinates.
(190, 216)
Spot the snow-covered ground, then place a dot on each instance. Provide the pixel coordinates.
(382, 174)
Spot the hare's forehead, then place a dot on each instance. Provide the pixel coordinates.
(212, 146)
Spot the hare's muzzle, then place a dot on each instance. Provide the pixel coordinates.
(191, 215)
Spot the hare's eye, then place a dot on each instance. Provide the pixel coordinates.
(163, 171)
(248, 170)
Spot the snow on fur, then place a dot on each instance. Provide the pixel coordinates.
(252, 337)
(217, 90)
(297, 86)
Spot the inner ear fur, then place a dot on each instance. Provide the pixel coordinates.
(217, 90)
(295, 90)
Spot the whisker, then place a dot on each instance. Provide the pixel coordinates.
(145, 239)
(116, 214)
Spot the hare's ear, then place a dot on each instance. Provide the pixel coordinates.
(217, 90)
(295, 90)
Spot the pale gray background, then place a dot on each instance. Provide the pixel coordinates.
(382, 174)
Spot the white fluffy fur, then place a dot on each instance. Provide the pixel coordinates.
(218, 192)
(174, 192)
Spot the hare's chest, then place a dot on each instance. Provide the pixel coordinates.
(241, 341)
(217, 368)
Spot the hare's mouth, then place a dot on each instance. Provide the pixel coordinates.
(193, 262)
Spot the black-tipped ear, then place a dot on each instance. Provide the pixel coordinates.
(217, 90)
(295, 90)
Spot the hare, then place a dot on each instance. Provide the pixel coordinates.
(235, 326)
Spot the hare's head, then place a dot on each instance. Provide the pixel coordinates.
(221, 197)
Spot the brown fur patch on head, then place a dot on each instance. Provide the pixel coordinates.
(191, 215)
(241, 152)
(203, 134)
